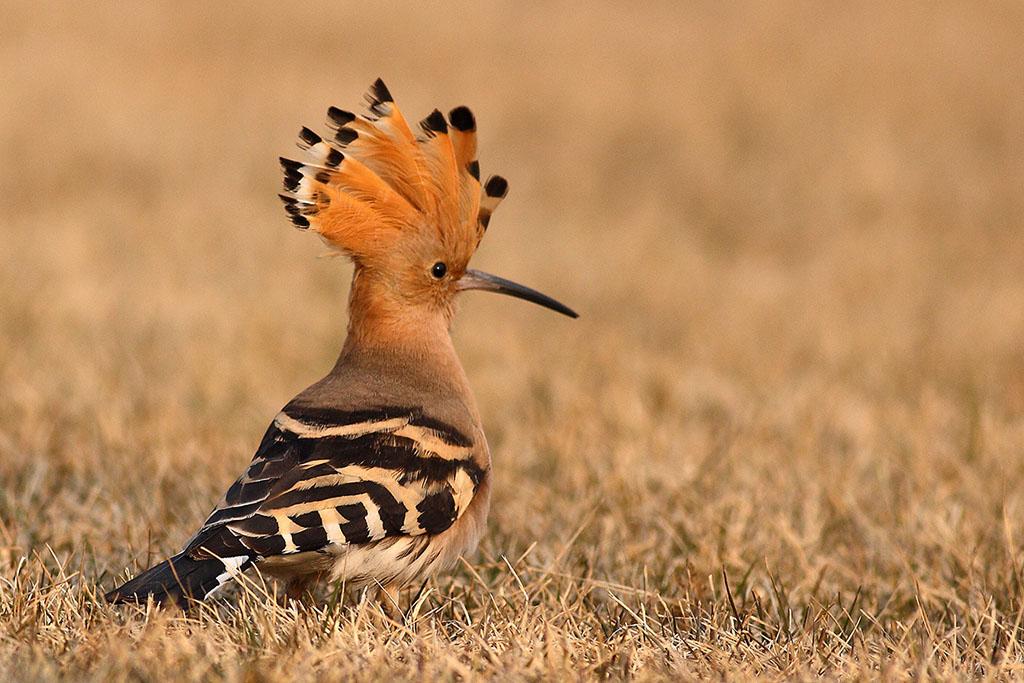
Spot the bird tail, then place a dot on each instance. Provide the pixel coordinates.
(179, 580)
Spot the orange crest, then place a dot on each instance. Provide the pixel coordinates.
(372, 187)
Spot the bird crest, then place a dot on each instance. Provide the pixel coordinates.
(371, 186)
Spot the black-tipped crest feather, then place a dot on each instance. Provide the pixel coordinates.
(308, 138)
(378, 99)
(496, 187)
(434, 123)
(462, 119)
(340, 117)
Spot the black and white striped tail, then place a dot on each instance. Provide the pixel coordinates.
(179, 580)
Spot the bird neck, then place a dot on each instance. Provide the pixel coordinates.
(402, 355)
(383, 325)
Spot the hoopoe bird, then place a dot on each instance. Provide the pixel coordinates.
(379, 474)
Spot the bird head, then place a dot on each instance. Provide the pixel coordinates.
(408, 208)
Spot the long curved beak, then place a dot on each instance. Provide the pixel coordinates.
(475, 279)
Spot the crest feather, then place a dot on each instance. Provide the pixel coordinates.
(371, 182)
(495, 190)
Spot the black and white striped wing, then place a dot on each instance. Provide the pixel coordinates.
(324, 477)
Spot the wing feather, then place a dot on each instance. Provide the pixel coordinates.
(325, 477)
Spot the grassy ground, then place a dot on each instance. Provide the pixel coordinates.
(785, 439)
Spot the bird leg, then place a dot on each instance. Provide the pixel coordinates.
(396, 603)
(299, 588)
(389, 599)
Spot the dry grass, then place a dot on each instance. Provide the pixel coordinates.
(785, 439)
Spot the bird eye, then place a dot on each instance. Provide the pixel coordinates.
(439, 270)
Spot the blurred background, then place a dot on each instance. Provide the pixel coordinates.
(794, 231)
